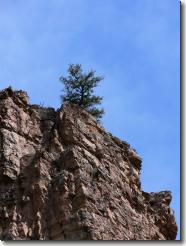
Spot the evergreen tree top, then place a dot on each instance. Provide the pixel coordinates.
(79, 89)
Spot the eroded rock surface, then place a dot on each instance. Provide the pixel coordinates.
(63, 177)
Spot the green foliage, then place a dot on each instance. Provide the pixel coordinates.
(79, 89)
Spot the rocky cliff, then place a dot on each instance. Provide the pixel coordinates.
(63, 177)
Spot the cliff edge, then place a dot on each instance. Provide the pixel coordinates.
(63, 177)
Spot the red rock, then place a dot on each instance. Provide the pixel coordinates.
(63, 177)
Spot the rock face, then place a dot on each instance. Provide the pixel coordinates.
(63, 177)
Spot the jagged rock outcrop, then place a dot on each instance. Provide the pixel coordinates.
(63, 177)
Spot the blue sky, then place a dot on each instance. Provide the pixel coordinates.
(134, 44)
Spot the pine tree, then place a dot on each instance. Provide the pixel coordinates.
(79, 89)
